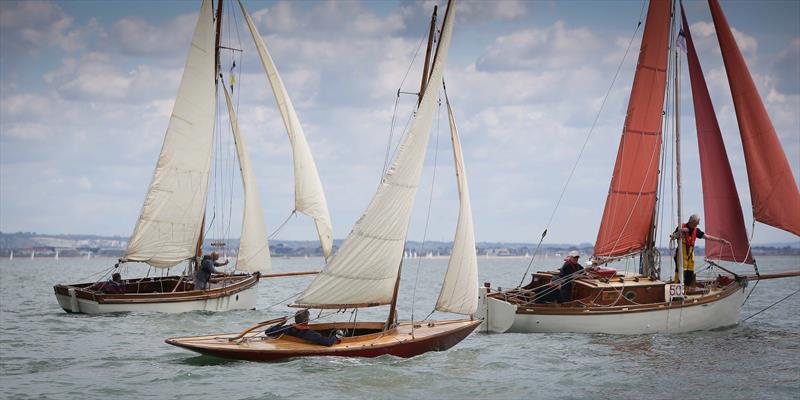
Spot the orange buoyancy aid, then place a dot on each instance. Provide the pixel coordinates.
(688, 248)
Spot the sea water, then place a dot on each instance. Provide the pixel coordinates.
(46, 353)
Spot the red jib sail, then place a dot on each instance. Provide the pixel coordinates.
(773, 191)
(723, 211)
(630, 205)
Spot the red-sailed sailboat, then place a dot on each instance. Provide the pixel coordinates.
(607, 301)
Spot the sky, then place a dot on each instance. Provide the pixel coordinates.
(87, 87)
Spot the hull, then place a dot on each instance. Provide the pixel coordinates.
(716, 311)
(240, 294)
(435, 336)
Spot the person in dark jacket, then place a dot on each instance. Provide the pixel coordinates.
(567, 273)
(301, 330)
(115, 285)
(207, 265)
(688, 234)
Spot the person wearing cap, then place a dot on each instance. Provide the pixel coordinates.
(207, 265)
(567, 273)
(301, 330)
(689, 233)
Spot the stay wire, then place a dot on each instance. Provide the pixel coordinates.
(773, 304)
(583, 146)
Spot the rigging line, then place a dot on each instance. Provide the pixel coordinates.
(397, 99)
(586, 141)
(773, 304)
(275, 232)
(428, 214)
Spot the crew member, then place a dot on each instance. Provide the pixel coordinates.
(300, 329)
(689, 233)
(207, 265)
(567, 274)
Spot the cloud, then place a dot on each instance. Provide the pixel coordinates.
(30, 26)
(138, 37)
(786, 69)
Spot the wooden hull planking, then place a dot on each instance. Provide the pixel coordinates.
(720, 308)
(238, 295)
(398, 341)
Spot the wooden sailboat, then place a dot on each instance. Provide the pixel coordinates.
(365, 272)
(606, 301)
(170, 229)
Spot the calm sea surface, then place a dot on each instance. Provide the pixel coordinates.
(46, 353)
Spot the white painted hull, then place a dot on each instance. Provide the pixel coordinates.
(244, 300)
(500, 316)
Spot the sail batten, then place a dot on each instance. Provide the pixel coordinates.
(630, 205)
(721, 206)
(459, 293)
(309, 196)
(253, 253)
(365, 268)
(773, 190)
(170, 221)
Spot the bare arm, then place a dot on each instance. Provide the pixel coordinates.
(716, 239)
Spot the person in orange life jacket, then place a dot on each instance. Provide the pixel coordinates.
(300, 329)
(689, 233)
(567, 273)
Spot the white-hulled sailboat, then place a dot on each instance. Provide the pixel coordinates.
(170, 229)
(606, 301)
(365, 272)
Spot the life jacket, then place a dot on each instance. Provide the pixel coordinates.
(689, 240)
(300, 327)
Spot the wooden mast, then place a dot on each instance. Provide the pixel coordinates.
(679, 277)
(199, 249)
(424, 81)
(423, 84)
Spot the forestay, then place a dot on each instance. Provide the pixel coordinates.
(773, 190)
(309, 197)
(459, 292)
(364, 270)
(253, 246)
(170, 222)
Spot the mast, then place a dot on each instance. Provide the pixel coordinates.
(431, 33)
(679, 277)
(199, 249)
(393, 306)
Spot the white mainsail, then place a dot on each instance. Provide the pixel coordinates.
(169, 225)
(459, 292)
(253, 246)
(309, 198)
(364, 270)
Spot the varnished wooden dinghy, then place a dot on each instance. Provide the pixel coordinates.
(368, 340)
(169, 294)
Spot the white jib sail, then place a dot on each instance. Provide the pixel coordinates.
(364, 270)
(309, 198)
(172, 214)
(253, 246)
(459, 292)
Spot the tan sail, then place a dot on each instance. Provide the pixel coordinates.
(171, 217)
(459, 292)
(309, 197)
(253, 246)
(364, 271)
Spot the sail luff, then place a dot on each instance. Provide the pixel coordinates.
(630, 205)
(721, 206)
(253, 253)
(170, 221)
(364, 270)
(309, 197)
(773, 190)
(459, 293)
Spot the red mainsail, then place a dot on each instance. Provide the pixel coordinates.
(630, 206)
(723, 211)
(773, 190)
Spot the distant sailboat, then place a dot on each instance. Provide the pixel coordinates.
(365, 272)
(171, 227)
(11, 255)
(606, 301)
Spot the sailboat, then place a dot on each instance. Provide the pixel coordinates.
(607, 301)
(171, 226)
(365, 272)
